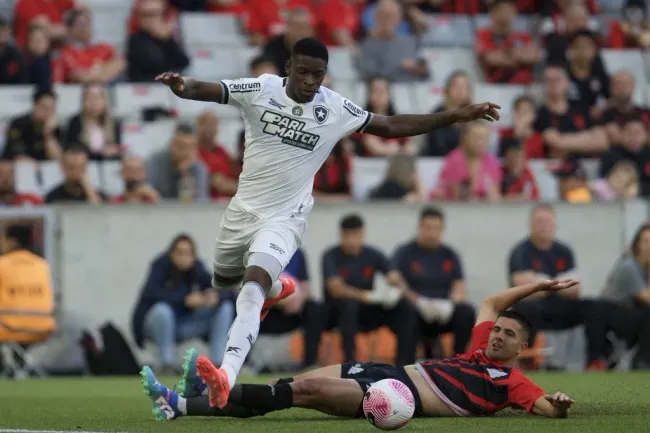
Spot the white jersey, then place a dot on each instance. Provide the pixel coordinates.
(286, 142)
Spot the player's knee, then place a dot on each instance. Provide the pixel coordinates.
(224, 282)
(263, 269)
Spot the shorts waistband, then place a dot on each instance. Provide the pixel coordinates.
(411, 385)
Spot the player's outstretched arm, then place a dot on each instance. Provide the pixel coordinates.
(553, 406)
(190, 88)
(500, 302)
(408, 125)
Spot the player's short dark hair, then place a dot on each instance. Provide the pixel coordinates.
(519, 318)
(312, 48)
(43, 93)
(351, 222)
(258, 61)
(522, 100)
(432, 212)
(21, 234)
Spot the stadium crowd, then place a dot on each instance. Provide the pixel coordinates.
(566, 101)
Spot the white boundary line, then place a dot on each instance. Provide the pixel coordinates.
(21, 430)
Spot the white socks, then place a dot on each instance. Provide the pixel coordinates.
(182, 405)
(276, 288)
(244, 329)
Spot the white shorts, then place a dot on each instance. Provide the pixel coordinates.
(242, 233)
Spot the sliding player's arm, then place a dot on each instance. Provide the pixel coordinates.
(408, 125)
(500, 302)
(191, 88)
(553, 406)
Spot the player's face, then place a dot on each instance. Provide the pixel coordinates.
(182, 256)
(430, 232)
(352, 240)
(306, 75)
(542, 225)
(506, 340)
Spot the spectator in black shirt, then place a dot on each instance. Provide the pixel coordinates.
(39, 59)
(279, 48)
(431, 275)
(542, 256)
(556, 30)
(566, 129)
(620, 107)
(349, 271)
(12, 63)
(589, 80)
(76, 186)
(35, 135)
(296, 311)
(153, 50)
(633, 147)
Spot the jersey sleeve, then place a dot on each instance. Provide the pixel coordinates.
(523, 392)
(480, 336)
(241, 92)
(353, 118)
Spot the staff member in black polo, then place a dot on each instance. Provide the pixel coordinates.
(540, 255)
(349, 271)
(431, 275)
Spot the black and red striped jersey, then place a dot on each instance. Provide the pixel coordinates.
(471, 384)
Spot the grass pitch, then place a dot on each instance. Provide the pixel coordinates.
(606, 402)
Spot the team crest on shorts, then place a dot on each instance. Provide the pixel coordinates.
(321, 114)
(297, 111)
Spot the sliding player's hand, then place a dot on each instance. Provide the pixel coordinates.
(556, 285)
(485, 111)
(173, 80)
(560, 401)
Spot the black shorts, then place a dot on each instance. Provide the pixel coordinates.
(367, 373)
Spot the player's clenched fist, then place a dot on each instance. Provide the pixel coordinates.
(173, 80)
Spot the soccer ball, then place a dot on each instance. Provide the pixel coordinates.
(388, 404)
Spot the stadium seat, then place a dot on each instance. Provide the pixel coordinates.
(26, 178)
(604, 21)
(68, 102)
(111, 178)
(355, 91)
(17, 100)
(159, 134)
(501, 94)
(449, 31)
(246, 54)
(188, 110)
(444, 61)
(93, 174)
(546, 181)
(109, 25)
(632, 61)
(403, 98)
(130, 99)
(427, 97)
(228, 134)
(522, 23)
(51, 176)
(204, 30)
(216, 63)
(342, 64)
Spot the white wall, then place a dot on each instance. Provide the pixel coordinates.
(104, 252)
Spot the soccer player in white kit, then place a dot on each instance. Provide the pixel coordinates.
(291, 124)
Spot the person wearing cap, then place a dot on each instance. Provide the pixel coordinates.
(351, 300)
(542, 255)
(572, 182)
(506, 55)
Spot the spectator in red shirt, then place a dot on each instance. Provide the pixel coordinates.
(268, 19)
(8, 194)
(507, 55)
(589, 79)
(473, 7)
(339, 21)
(170, 16)
(95, 128)
(524, 114)
(517, 180)
(38, 57)
(234, 7)
(82, 61)
(223, 172)
(566, 129)
(620, 107)
(299, 25)
(136, 188)
(46, 13)
(380, 102)
(333, 179)
(633, 29)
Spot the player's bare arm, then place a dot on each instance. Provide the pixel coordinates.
(191, 88)
(408, 125)
(494, 305)
(553, 406)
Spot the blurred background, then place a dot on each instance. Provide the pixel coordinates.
(116, 187)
